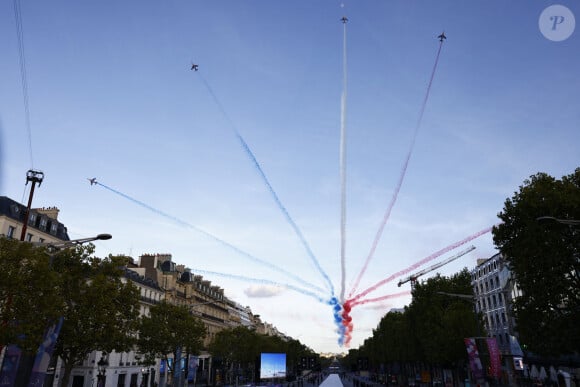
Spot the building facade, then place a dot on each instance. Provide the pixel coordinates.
(43, 225)
(494, 290)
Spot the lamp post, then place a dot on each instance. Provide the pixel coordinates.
(102, 365)
(145, 378)
(53, 247)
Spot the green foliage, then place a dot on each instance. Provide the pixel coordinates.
(100, 308)
(28, 294)
(240, 348)
(431, 328)
(544, 257)
(168, 328)
(442, 321)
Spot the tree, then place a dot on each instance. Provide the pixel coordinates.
(441, 322)
(544, 257)
(431, 329)
(28, 294)
(170, 330)
(100, 310)
(241, 347)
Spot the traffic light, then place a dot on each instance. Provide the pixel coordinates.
(311, 363)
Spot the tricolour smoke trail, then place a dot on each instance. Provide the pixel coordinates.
(420, 263)
(215, 238)
(401, 178)
(262, 281)
(347, 318)
(343, 168)
(282, 208)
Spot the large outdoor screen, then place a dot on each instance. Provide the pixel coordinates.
(272, 365)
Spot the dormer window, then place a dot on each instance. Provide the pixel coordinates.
(31, 219)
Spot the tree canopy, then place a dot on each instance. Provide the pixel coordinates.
(27, 294)
(431, 329)
(100, 309)
(169, 329)
(543, 255)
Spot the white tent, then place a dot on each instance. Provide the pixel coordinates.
(543, 374)
(566, 376)
(553, 374)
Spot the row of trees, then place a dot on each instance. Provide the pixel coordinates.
(238, 350)
(430, 330)
(99, 306)
(539, 238)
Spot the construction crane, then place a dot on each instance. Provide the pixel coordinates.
(413, 277)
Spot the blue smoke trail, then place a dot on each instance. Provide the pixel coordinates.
(261, 281)
(270, 188)
(221, 241)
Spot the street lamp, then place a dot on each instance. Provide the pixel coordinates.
(145, 378)
(75, 242)
(102, 370)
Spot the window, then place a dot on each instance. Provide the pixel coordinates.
(31, 219)
(11, 230)
(28, 237)
(53, 228)
(41, 240)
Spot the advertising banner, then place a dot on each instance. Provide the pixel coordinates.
(494, 357)
(43, 355)
(10, 366)
(193, 364)
(474, 360)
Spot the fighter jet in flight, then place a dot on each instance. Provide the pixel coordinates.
(442, 37)
(344, 19)
(194, 67)
(93, 181)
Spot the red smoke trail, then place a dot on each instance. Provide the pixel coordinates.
(416, 265)
(348, 305)
(401, 178)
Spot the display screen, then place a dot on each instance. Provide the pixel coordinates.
(272, 365)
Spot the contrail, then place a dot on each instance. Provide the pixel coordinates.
(420, 263)
(343, 168)
(401, 178)
(261, 281)
(215, 238)
(282, 208)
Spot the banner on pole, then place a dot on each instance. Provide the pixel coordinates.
(474, 360)
(44, 354)
(494, 357)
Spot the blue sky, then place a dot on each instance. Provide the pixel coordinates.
(111, 96)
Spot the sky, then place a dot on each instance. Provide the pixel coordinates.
(111, 96)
